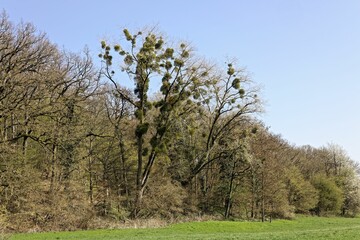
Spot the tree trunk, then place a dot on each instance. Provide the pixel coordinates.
(123, 169)
(143, 183)
(139, 161)
(253, 194)
(138, 201)
(228, 200)
(90, 171)
(262, 197)
(139, 188)
(53, 162)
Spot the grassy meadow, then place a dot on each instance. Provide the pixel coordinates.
(302, 228)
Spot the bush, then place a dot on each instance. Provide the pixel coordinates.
(163, 199)
(331, 197)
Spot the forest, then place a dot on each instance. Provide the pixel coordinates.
(147, 129)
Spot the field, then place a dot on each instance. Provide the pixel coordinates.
(301, 228)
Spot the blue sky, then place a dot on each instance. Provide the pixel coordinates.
(305, 53)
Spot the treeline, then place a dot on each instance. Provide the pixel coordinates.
(81, 144)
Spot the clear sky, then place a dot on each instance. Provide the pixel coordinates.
(305, 53)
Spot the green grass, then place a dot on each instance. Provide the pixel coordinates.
(301, 228)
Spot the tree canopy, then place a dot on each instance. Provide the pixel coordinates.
(83, 145)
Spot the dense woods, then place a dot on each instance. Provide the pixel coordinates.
(155, 132)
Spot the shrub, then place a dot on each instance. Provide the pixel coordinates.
(330, 195)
